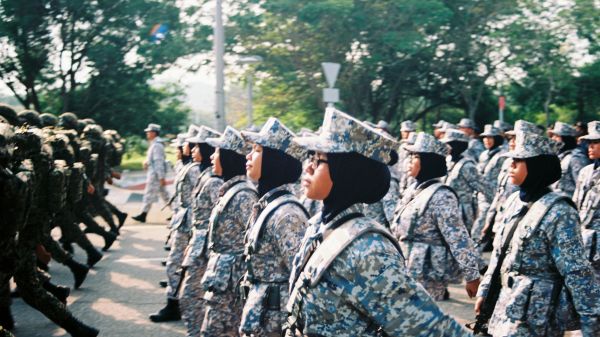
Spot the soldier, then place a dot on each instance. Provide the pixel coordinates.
(476, 148)
(404, 162)
(348, 278)
(48, 120)
(463, 176)
(181, 225)
(204, 198)
(226, 236)
(429, 226)
(587, 198)
(571, 160)
(538, 258)
(9, 114)
(490, 163)
(156, 176)
(437, 128)
(275, 229)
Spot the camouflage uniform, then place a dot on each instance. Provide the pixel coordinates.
(365, 290)
(405, 180)
(571, 161)
(383, 210)
(156, 172)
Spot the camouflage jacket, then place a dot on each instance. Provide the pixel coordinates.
(465, 180)
(545, 254)
(490, 163)
(383, 210)
(587, 200)
(156, 160)
(365, 288)
(433, 234)
(182, 199)
(475, 149)
(503, 190)
(571, 163)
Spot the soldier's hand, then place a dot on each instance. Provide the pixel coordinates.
(109, 180)
(163, 182)
(145, 165)
(479, 304)
(91, 189)
(472, 287)
(116, 175)
(42, 254)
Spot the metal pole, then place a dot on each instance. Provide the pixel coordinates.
(219, 47)
(249, 80)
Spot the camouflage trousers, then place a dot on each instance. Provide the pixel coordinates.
(435, 289)
(72, 233)
(190, 298)
(479, 223)
(178, 244)
(257, 318)
(222, 316)
(151, 193)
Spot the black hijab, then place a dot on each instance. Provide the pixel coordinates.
(542, 171)
(569, 143)
(356, 179)
(432, 166)
(205, 151)
(498, 140)
(184, 159)
(457, 148)
(278, 168)
(232, 163)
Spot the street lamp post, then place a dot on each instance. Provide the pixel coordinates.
(250, 60)
(219, 48)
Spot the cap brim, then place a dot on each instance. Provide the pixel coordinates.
(251, 137)
(214, 142)
(590, 137)
(487, 135)
(320, 144)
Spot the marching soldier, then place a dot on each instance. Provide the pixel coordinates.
(571, 161)
(476, 148)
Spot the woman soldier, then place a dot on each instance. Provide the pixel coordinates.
(349, 277)
(538, 257)
(227, 225)
(429, 226)
(276, 228)
(204, 197)
(181, 228)
(572, 160)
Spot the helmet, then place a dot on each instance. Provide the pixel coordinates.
(9, 114)
(48, 119)
(6, 134)
(68, 120)
(93, 131)
(29, 117)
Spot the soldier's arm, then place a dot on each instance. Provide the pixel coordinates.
(577, 194)
(158, 160)
(476, 182)
(288, 230)
(577, 164)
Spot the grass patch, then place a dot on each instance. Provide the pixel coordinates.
(134, 161)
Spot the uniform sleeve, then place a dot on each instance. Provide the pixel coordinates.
(577, 164)
(577, 194)
(158, 160)
(288, 229)
(564, 236)
(484, 286)
(444, 204)
(476, 182)
(207, 199)
(390, 200)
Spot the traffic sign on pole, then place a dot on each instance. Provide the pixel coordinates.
(331, 71)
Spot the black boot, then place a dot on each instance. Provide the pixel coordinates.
(79, 271)
(163, 263)
(109, 239)
(169, 313)
(60, 292)
(122, 216)
(6, 319)
(77, 329)
(68, 247)
(163, 283)
(140, 217)
(93, 257)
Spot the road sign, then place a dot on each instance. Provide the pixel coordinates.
(331, 71)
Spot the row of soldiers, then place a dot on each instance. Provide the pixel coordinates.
(52, 175)
(346, 232)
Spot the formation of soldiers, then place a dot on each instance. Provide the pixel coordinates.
(52, 174)
(348, 231)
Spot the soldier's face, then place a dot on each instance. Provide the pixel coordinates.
(150, 135)
(215, 159)
(196, 155)
(468, 131)
(405, 134)
(518, 171)
(488, 142)
(512, 141)
(317, 181)
(437, 133)
(556, 138)
(594, 149)
(186, 149)
(414, 167)
(254, 162)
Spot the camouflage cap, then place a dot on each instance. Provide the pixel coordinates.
(408, 126)
(231, 139)
(305, 132)
(152, 127)
(454, 135)
(9, 114)
(448, 126)
(563, 129)
(490, 131)
(93, 131)
(412, 138)
(593, 131)
(48, 119)
(439, 124)
(342, 133)
(179, 140)
(29, 117)
(90, 120)
(191, 131)
(466, 123)
(202, 133)
(68, 120)
(276, 136)
(524, 126)
(529, 145)
(428, 144)
(502, 126)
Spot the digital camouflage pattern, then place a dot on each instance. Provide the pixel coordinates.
(276, 136)
(434, 238)
(571, 163)
(365, 288)
(490, 130)
(524, 126)
(587, 200)
(529, 145)
(593, 131)
(408, 126)
(202, 133)
(428, 144)
(342, 133)
(269, 257)
(225, 265)
(232, 140)
(503, 190)
(383, 210)
(156, 171)
(205, 197)
(563, 129)
(545, 253)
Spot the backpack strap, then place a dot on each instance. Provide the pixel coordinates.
(240, 186)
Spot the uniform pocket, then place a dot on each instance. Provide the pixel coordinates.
(217, 277)
(539, 302)
(416, 261)
(518, 298)
(439, 263)
(254, 309)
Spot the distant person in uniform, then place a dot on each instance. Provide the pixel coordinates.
(156, 171)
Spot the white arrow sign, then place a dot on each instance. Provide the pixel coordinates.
(331, 71)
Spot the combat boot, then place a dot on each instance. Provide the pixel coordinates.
(163, 283)
(6, 319)
(109, 239)
(140, 217)
(93, 257)
(77, 329)
(121, 216)
(68, 247)
(79, 271)
(169, 313)
(60, 292)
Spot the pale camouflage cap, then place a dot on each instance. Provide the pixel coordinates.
(454, 135)
(490, 131)
(448, 126)
(408, 126)
(466, 123)
(410, 140)
(342, 133)
(502, 126)
(524, 126)
(563, 129)
(428, 144)
(593, 131)
(231, 139)
(529, 145)
(276, 136)
(203, 133)
(179, 140)
(191, 131)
